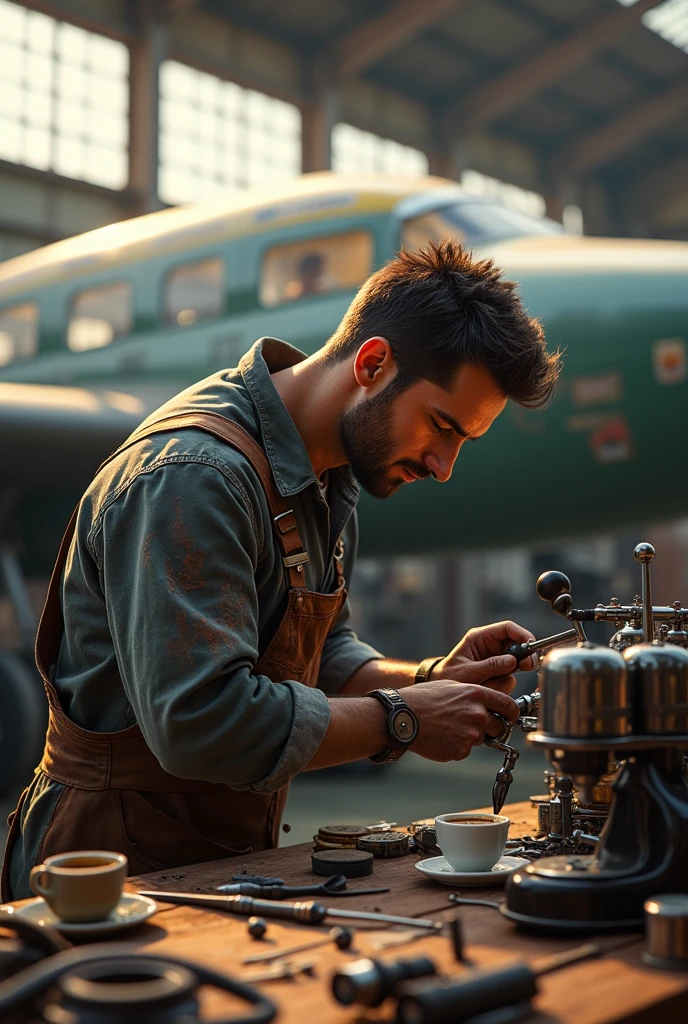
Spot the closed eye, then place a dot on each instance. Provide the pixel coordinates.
(439, 429)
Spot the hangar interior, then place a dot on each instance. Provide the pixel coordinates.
(111, 108)
(574, 108)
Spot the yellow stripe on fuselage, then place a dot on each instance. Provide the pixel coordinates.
(308, 199)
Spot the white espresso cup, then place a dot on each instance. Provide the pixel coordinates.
(471, 840)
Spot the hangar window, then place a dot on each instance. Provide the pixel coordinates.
(315, 266)
(358, 152)
(99, 315)
(195, 292)
(63, 97)
(18, 332)
(216, 137)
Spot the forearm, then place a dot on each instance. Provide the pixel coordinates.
(357, 729)
(379, 674)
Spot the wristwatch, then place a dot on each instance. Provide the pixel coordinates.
(402, 725)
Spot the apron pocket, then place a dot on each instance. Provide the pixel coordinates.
(166, 841)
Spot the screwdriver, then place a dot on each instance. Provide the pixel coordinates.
(450, 1000)
(306, 913)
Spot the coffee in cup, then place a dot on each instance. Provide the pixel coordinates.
(85, 885)
(470, 840)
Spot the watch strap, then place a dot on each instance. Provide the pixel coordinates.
(425, 668)
(392, 701)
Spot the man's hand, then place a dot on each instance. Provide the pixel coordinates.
(479, 658)
(454, 717)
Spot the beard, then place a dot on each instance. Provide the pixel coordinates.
(366, 436)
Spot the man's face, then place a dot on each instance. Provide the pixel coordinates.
(391, 439)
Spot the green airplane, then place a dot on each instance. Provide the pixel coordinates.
(99, 329)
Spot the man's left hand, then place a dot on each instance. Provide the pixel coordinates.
(479, 658)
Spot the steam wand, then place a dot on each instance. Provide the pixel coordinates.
(528, 705)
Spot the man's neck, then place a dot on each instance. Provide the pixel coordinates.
(313, 392)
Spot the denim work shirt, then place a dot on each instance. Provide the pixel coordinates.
(174, 583)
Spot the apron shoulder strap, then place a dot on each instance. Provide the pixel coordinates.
(51, 626)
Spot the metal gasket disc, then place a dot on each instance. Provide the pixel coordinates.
(385, 844)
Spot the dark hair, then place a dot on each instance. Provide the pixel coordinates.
(439, 307)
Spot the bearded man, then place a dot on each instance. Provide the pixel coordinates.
(195, 644)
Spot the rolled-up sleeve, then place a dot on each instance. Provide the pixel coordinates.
(343, 653)
(177, 553)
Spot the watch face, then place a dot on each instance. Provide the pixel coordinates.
(404, 727)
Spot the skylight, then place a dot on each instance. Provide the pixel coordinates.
(669, 20)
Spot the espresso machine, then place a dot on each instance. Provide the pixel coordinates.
(626, 704)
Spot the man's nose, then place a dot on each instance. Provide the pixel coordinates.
(440, 462)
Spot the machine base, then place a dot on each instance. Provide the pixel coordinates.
(544, 924)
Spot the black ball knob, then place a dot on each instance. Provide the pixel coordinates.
(257, 927)
(343, 938)
(551, 585)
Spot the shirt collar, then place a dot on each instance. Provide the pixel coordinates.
(284, 447)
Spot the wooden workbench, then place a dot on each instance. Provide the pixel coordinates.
(617, 987)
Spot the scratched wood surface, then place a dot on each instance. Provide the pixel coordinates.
(617, 987)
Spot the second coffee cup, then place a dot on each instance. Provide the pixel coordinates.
(471, 840)
(84, 885)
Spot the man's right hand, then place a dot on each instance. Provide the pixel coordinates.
(454, 717)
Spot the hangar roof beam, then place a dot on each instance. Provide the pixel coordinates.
(502, 94)
(606, 142)
(376, 37)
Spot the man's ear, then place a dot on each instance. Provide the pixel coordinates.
(374, 363)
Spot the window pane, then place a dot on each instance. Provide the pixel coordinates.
(473, 221)
(315, 266)
(195, 292)
(99, 315)
(18, 332)
(358, 152)
(70, 83)
(416, 232)
(221, 137)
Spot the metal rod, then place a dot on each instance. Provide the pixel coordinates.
(644, 553)
(305, 913)
(571, 956)
(278, 954)
(364, 915)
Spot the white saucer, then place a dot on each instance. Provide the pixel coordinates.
(131, 909)
(438, 869)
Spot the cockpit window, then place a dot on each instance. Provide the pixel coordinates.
(315, 266)
(474, 222)
(99, 315)
(18, 332)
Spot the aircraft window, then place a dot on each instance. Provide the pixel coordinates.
(18, 332)
(99, 315)
(195, 292)
(315, 266)
(474, 222)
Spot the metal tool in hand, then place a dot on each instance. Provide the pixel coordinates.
(527, 720)
(276, 889)
(522, 651)
(305, 913)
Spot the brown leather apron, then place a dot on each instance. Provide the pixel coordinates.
(117, 795)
